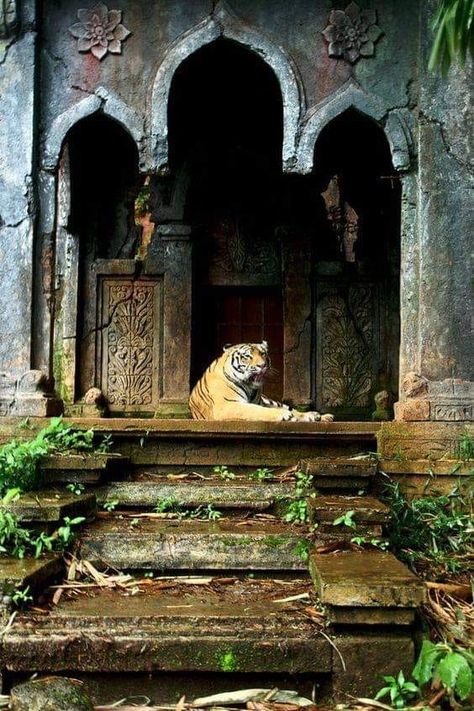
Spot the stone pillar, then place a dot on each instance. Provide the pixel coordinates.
(17, 197)
(171, 253)
(442, 302)
(297, 314)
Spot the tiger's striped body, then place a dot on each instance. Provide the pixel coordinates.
(231, 389)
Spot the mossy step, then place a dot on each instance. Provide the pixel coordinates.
(365, 579)
(51, 505)
(340, 473)
(172, 544)
(34, 573)
(367, 509)
(236, 494)
(82, 468)
(224, 628)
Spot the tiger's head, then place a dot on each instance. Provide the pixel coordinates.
(247, 363)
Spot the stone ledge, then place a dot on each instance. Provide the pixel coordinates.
(371, 579)
(51, 506)
(324, 509)
(33, 572)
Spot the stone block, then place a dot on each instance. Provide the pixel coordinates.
(50, 694)
(372, 579)
(413, 410)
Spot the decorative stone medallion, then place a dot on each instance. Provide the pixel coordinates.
(352, 33)
(99, 31)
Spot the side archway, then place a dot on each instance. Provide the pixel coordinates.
(224, 23)
(351, 96)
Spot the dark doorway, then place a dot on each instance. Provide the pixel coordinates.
(225, 127)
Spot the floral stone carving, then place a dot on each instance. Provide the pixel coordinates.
(99, 31)
(352, 33)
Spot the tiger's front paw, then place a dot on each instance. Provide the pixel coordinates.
(327, 418)
(309, 416)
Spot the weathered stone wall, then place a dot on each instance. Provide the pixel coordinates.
(425, 119)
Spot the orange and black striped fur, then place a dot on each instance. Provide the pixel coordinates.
(231, 389)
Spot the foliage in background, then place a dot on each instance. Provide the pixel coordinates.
(19, 461)
(453, 25)
(433, 531)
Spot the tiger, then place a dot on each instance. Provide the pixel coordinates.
(231, 389)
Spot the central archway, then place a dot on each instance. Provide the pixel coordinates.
(225, 122)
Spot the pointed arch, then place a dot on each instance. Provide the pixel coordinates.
(224, 23)
(103, 100)
(352, 96)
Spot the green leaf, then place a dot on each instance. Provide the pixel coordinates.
(423, 669)
(464, 682)
(383, 692)
(449, 668)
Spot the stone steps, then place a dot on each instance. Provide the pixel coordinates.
(173, 544)
(239, 493)
(50, 506)
(230, 627)
(225, 628)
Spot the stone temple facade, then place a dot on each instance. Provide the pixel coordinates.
(180, 175)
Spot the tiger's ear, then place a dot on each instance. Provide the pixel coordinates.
(264, 346)
(226, 347)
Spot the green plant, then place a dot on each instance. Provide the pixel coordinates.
(401, 692)
(17, 541)
(21, 597)
(465, 448)
(453, 25)
(19, 461)
(297, 512)
(302, 549)
(437, 529)
(168, 505)
(224, 473)
(261, 474)
(110, 505)
(65, 533)
(208, 513)
(303, 482)
(76, 488)
(376, 542)
(347, 519)
(444, 664)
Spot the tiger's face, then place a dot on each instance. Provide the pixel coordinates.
(247, 363)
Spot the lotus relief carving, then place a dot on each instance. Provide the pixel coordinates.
(352, 33)
(99, 31)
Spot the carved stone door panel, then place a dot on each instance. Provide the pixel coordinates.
(347, 348)
(129, 342)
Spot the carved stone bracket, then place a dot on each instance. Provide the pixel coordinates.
(450, 400)
(27, 396)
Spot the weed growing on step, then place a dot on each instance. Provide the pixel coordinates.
(297, 512)
(20, 461)
(431, 531)
(261, 474)
(302, 549)
(76, 489)
(347, 519)
(110, 505)
(17, 541)
(224, 473)
(21, 597)
(173, 506)
(375, 542)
